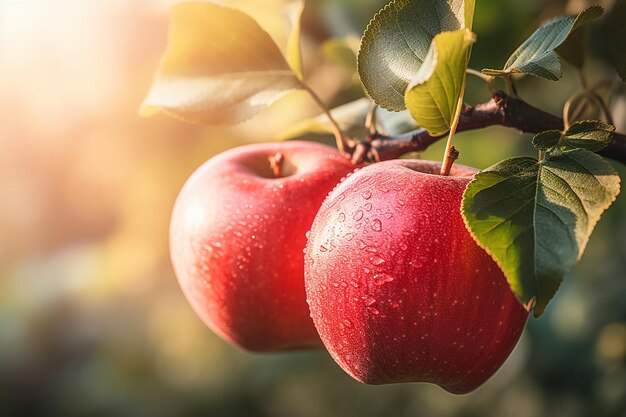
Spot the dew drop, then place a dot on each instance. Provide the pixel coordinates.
(382, 279)
(347, 323)
(367, 195)
(358, 215)
(323, 248)
(377, 260)
(362, 245)
(369, 300)
(368, 207)
(342, 217)
(349, 236)
(377, 225)
(374, 311)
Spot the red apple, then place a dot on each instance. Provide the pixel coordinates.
(398, 289)
(237, 238)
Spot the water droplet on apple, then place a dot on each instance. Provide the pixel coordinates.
(382, 279)
(368, 207)
(342, 217)
(362, 244)
(358, 215)
(347, 323)
(377, 260)
(374, 311)
(401, 202)
(369, 300)
(349, 236)
(367, 195)
(377, 225)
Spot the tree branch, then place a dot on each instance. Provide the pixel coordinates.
(501, 110)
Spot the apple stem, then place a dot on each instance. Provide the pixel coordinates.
(340, 137)
(451, 154)
(276, 163)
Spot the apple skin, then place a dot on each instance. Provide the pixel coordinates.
(398, 289)
(237, 237)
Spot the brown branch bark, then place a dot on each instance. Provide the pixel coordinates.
(501, 110)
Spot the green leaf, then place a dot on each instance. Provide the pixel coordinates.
(351, 118)
(537, 56)
(397, 40)
(592, 135)
(220, 67)
(615, 37)
(547, 140)
(535, 218)
(433, 95)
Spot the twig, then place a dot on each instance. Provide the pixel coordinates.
(501, 110)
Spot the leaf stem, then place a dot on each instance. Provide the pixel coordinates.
(488, 79)
(340, 137)
(452, 154)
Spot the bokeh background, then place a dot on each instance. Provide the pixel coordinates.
(92, 322)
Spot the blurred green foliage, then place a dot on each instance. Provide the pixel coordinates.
(92, 322)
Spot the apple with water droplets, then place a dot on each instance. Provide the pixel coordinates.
(237, 237)
(398, 289)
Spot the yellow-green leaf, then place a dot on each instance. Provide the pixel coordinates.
(220, 67)
(280, 19)
(293, 11)
(433, 95)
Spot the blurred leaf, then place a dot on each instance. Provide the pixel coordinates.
(547, 140)
(294, 11)
(615, 37)
(342, 52)
(396, 43)
(574, 48)
(537, 56)
(535, 218)
(220, 67)
(433, 95)
(351, 118)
